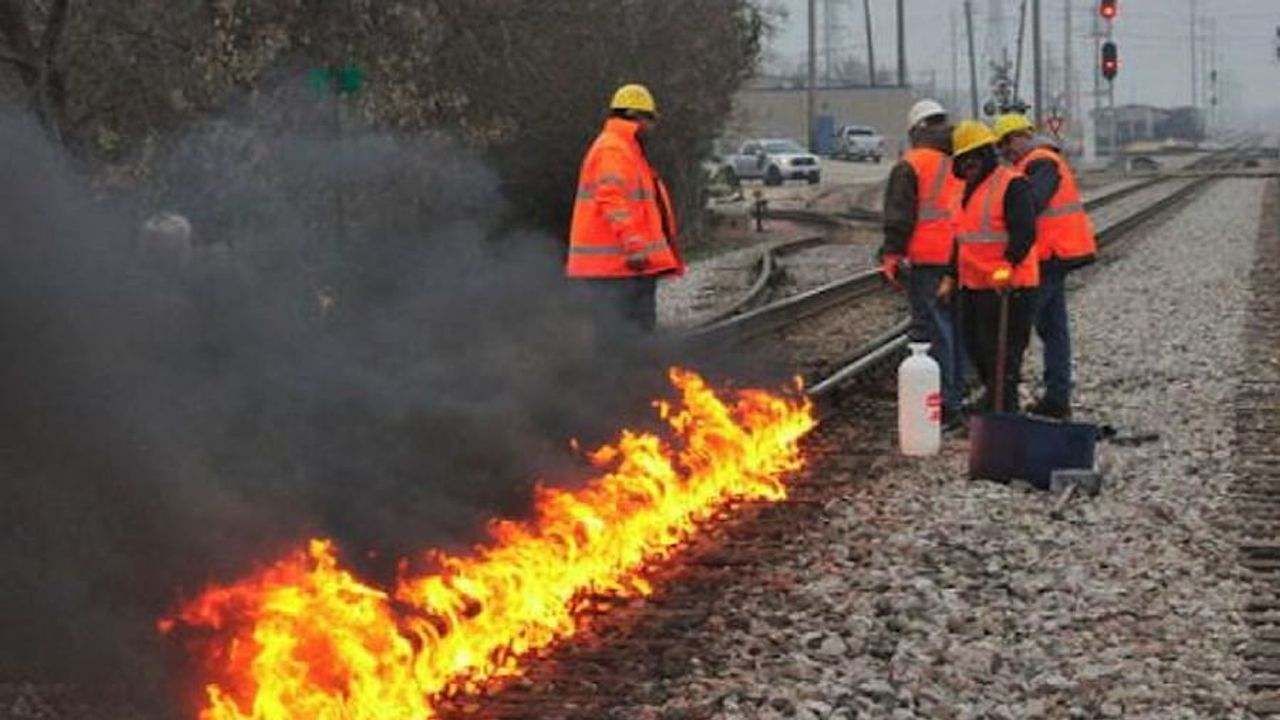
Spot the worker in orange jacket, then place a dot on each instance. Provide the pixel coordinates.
(920, 203)
(623, 234)
(996, 261)
(1066, 241)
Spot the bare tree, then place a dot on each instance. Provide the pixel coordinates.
(36, 56)
(525, 81)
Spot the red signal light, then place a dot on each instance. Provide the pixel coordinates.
(1108, 9)
(1110, 60)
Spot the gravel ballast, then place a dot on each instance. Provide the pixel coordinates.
(925, 595)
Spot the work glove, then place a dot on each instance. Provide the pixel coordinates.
(1002, 277)
(889, 267)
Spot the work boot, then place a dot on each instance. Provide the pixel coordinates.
(1045, 407)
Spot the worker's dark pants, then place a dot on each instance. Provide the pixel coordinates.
(620, 306)
(980, 328)
(934, 321)
(1054, 329)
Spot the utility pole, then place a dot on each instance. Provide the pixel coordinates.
(1214, 100)
(1091, 138)
(828, 8)
(1017, 62)
(810, 104)
(1037, 77)
(973, 58)
(1068, 67)
(955, 63)
(1195, 80)
(996, 43)
(902, 44)
(871, 44)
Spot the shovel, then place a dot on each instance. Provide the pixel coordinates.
(1002, 348)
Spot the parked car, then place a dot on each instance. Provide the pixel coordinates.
(859, 142)
(775, 161)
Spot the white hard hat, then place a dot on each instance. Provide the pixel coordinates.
(924, 110)
(168, 225)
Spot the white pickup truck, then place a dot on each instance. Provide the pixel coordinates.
(859, 142)
(774, 161)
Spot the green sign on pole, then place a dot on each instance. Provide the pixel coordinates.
(336, 80)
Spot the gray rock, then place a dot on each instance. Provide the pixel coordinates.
(878, 690)
(832, 646)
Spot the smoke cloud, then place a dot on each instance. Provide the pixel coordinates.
(359, 345)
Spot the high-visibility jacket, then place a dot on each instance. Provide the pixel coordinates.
(938, 195)
(623, 211)
(1063, 229)
(983, 235)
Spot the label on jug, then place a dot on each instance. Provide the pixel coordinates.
(933, 402)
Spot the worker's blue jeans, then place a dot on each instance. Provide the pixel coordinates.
(1054, 329)
(934, 321)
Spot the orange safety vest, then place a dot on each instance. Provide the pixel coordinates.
(983, 235)
(938, 195)
(620, 211)
(1063, 229)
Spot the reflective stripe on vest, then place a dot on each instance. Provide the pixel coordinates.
(984, 233)
(932, 240)
(983, 240)
(651, 247)
(1063, 229)
(622, 214)
(929, 207)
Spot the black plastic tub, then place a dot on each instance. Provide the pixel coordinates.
(1005, 447)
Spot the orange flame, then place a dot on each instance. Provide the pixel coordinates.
(305, 639)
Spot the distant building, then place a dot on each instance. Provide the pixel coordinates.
(773, 107)
(1148, 124)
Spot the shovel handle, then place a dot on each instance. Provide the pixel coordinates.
(1002, 348)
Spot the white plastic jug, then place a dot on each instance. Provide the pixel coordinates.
(919, 403)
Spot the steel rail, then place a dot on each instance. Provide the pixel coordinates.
(738, 323)
(767, 268)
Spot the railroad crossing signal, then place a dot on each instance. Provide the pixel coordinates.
(1108, 9)
(1110, 60)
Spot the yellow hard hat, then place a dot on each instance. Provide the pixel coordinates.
(970, 135)
(634, 97)
(1012, 123)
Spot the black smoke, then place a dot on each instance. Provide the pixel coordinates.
(364, 344)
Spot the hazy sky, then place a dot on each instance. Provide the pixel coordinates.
(1153, 38)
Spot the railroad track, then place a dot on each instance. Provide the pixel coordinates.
(891, 343)
(745, 319)
(1256, 489)
(621, 663)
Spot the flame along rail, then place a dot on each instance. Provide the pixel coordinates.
(891, 344)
